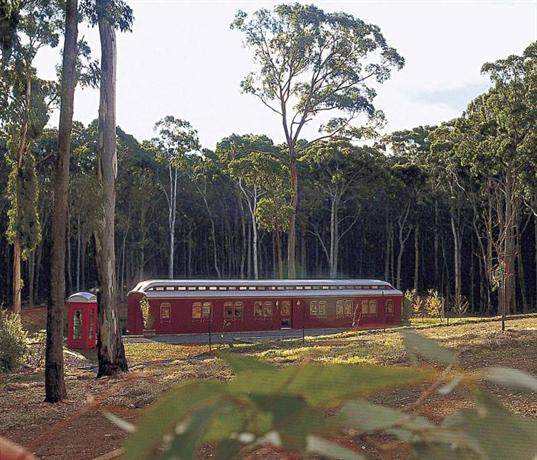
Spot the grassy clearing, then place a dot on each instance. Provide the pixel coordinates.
(367, 347)
(138, 353)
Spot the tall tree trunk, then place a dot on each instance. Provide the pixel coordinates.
(213, 237)
(403, 237)
(303, 255)
(387, 250)
(31, 278)
(255, 247)
(535, 261)
(436, 242)
(78, 252)
(69, 261)
(291, 239)
(279, 254)
(456, 258)
(416, 257)
(17, 281)
(54, 369)
(39, 258)
(334, 236)
(171, 218)
(110, 350)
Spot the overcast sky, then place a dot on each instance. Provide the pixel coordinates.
(182, 59)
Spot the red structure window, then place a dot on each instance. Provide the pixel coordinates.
(233, 310)
(339, 308)
(372, 307)
(389, 307)
(285, 309)
(348, 307)
(201, 310)
(262, 310)
(267, 309)
(365, 307)
(91, 331)
(318, 309)
(77, 325)
(165, 311)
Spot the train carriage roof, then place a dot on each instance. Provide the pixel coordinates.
(264, 288)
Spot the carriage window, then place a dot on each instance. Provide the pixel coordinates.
(201, 310)
(193, 288)
(322, 308)
(348, 307)
(372, 307)
(339, 308)
(267, 309)
(313, 308)
(181, 288)
(196, 310)
(222, 288)
(365, 307)
(389, 306)
(165, 311)
(237, 310)
(258, 310)
(285, 309)
(228, 310)
(233, 310)
(206, 310)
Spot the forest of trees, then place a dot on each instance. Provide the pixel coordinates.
(450, 207)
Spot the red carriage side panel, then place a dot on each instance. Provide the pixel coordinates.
(135, 322)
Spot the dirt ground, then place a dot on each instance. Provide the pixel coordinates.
(76, 428)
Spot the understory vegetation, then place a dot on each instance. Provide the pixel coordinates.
(157, 367)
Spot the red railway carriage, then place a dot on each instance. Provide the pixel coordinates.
(199, 306)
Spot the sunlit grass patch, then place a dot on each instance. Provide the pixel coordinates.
(144, 352)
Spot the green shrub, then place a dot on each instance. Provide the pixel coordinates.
(408, 304)
(13, 342)
(459, 306)
(146, 314)
(430, 305)
(434, 304)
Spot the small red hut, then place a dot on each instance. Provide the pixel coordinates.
(82, 321)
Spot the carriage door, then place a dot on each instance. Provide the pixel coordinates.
(285, 314)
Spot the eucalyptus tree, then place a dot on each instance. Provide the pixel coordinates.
(176, 138)
(205, 171)
(412, 148)
(345, 176)
(250, 160)
(273, 209)
(255, 174)
(25, 100)
(313, 63)
(54, 374)
(108, 15)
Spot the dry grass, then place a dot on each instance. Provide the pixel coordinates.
(156, 367)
